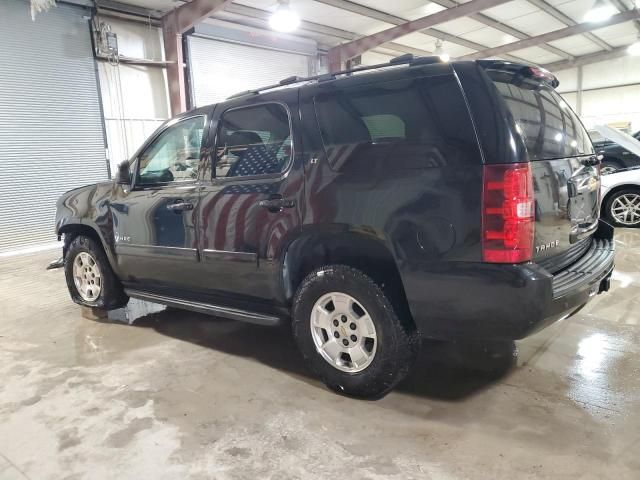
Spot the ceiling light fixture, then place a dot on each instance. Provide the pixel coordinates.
(284, 19)
(602, 10)
(634, 48)
(439, 51)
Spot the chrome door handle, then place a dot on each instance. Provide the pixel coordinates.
(276, 204)
(180, 206)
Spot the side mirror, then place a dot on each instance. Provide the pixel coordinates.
(123, 176)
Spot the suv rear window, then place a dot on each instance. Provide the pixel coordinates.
(399, 124)
(549, 127)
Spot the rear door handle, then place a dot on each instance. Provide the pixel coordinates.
(180, 206)
(276, 204)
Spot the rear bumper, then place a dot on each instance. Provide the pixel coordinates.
(492, 301)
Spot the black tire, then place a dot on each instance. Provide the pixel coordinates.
(112, 294)
(397, 341)
(608, 205)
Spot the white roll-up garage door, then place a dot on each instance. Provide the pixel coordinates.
(220, 69)
(51, 135)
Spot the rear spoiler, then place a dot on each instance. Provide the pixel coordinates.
(526, 71)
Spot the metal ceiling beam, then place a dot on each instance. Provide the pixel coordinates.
(558, 15)
(188, 14)
(622, 6)
(174, 24)
(337, 33)
(394, 20)
(588, 59)
(554, 35)
(126, 8)
(340, 54)
(490, 22)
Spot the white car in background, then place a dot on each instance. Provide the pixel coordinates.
(621, 198)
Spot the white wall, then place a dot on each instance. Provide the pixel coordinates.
(134, 98)
(603, 99)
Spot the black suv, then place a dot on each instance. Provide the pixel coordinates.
(615, 157)
(420, 198)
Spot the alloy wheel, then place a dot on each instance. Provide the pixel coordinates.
(87, 277)
(343, 332)
(626, 209)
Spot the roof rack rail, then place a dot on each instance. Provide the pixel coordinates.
(242, 94)
(407, 59)
(290, 80)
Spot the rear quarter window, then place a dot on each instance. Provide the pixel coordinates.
(406, 124)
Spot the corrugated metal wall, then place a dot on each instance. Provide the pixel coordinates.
(51, 135)
(220, 69)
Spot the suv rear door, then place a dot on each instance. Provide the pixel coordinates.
(251, 200)
(565, 169)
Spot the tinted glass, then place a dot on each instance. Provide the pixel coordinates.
(173, 156)
(549, 127)
(413, 123)
(253, 141)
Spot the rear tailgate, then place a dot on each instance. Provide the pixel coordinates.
(565, 169)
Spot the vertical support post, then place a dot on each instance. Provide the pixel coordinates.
(579, 92)
(174, 24)
(175, 70)
(335, 60)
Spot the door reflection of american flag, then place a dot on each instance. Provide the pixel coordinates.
(238, 220)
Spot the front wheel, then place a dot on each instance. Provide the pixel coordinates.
(349, 333)
(622, 208)
(90, 280)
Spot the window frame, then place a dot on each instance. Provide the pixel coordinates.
(136, 184)
(264, 176)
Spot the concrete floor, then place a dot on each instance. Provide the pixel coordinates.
(181, 395)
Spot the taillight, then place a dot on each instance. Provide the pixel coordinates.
(508, 215)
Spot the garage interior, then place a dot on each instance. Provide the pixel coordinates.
(177, 394)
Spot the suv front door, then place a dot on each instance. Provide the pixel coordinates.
(154, 220)
(251, 200)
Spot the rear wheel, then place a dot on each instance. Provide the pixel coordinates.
(349, 333)
(90, 280)
(622, 208)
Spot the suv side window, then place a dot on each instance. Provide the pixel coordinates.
(395, 125)
(253, 141)
(174, 155)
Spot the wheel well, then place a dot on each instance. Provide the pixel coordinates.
(73, 230)
(370, 256)
(614, 190)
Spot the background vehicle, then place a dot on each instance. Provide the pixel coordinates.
(445, 200)
(615, 157)
(621, 198)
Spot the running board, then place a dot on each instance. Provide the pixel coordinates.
(232, 313)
